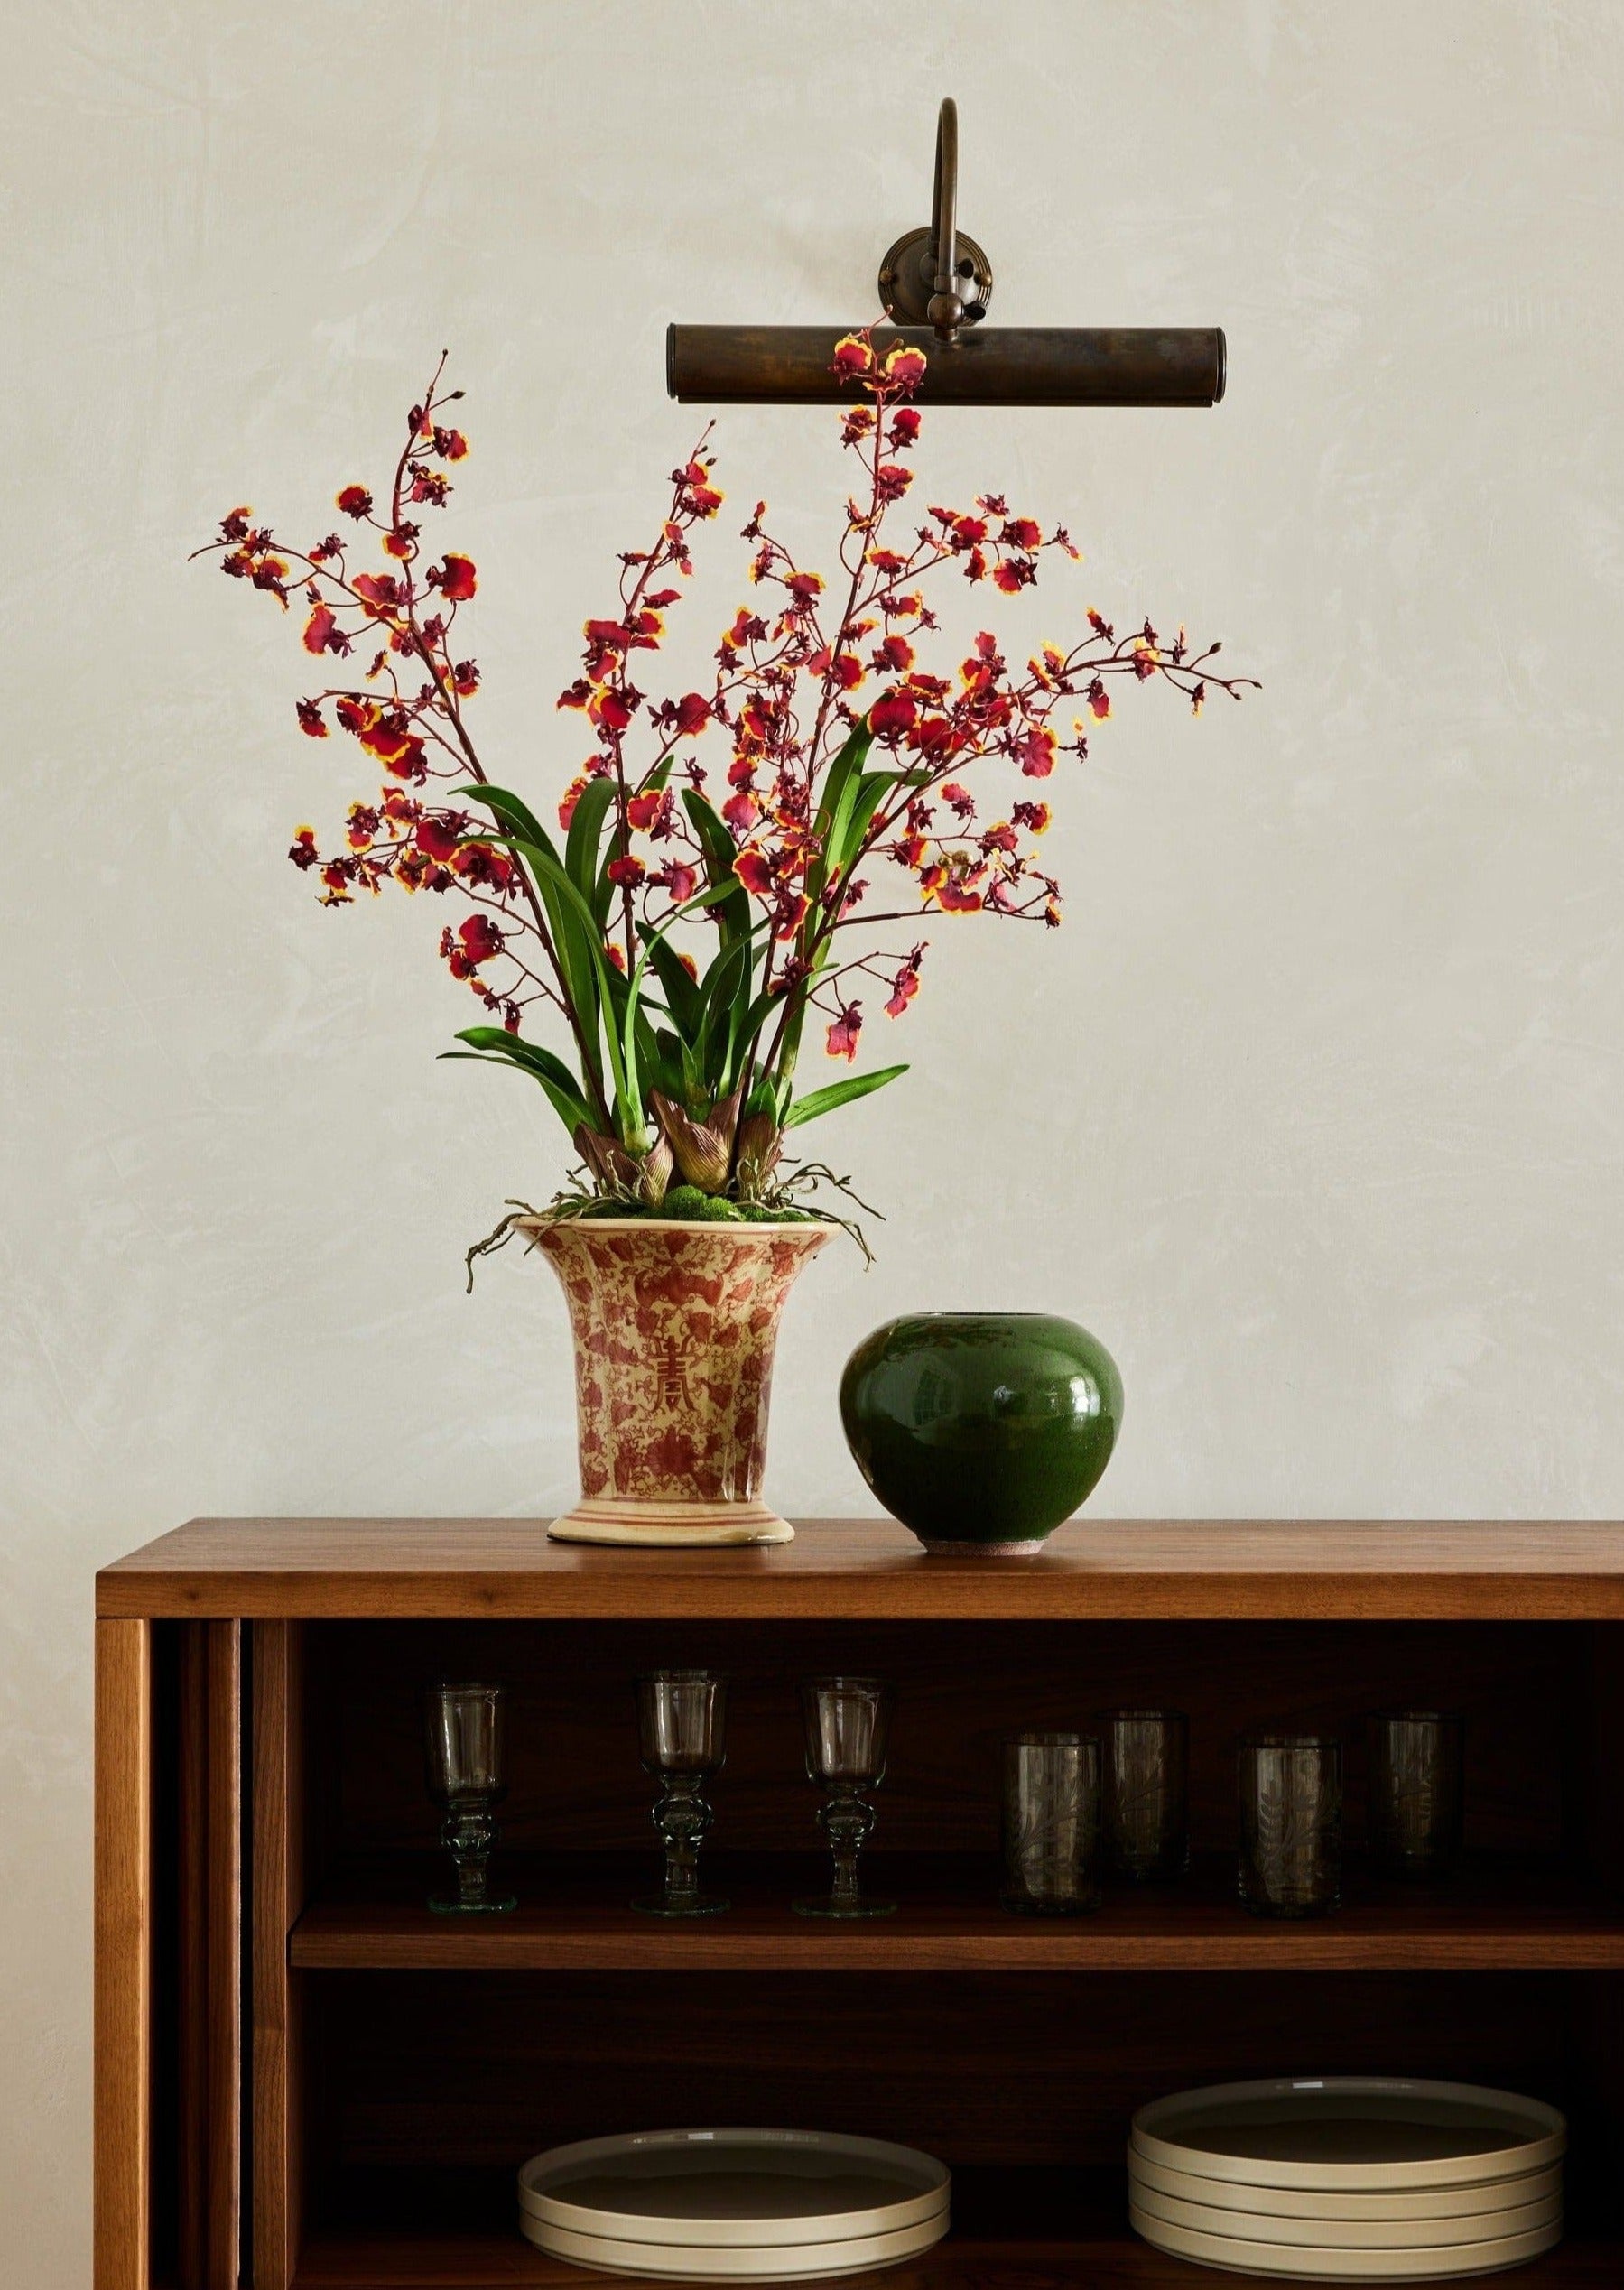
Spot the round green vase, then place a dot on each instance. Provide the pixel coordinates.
(981, 1430)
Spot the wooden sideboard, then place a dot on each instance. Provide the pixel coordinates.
(306, 2082)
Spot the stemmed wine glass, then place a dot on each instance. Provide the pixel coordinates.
(682, 1715)
(847, 1723)
(464, 1727)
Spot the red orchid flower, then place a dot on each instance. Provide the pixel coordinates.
(816, 797)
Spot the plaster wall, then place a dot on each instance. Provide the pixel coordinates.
(1312, 1109)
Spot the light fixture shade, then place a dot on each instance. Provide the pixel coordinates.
(995, 366)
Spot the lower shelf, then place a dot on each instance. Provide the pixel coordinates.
(498, 2262)
(1496, 1916)
(1016, 2229)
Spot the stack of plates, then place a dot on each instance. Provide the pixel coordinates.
(1348, 2178)
(742, 2206)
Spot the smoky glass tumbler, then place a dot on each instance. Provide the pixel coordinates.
(1145, 1786)
(1290, 1824)
(1051, 1823)
(1415, 1792)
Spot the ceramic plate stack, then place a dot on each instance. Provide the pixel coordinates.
(738, 2206)
(1348, 2179)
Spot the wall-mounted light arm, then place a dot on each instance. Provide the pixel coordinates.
(946, 306)
(935, 285)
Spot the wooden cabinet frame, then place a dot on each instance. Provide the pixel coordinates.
(254, 1966)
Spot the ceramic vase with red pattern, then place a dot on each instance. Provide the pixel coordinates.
(674, 1328)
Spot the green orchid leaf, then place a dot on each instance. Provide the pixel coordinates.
(732, 905)
(672, 1053)
(494, 1045)
(652, 783)
(585, 834)
(720, 998)
(655, 942)
(839, 1093)
(759, 1011)
(740, 1033)
(682, 992)
(765, 1007)
(512, 812)
(863, 797)
(660, 1055)
(654, 780)
(842, 772)
(572, 947)
(502, 1044)
(610, 986)
(571, 1113)
(578, 951)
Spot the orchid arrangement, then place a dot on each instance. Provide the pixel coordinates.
(691, 916)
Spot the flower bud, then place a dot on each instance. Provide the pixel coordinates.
(704, 1149)
(606, 1160)
(760, 1142)
(653, 1173)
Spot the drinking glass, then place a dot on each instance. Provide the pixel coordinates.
(1417, 1767)
(1051, 1823)
(1143, 1817)
(846, 1722)
(680, 1718)
(1290, 1824)
(464, 1727)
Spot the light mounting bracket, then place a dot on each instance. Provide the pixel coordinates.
(935, 285)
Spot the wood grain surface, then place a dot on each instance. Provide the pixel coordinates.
(574, 1914)
(1021, 2228)
(123, 2129)
(393, 2054)
(278, 1860)
(1108, 1569)
(499, 2261)
(450, 2071)
(210, 1924)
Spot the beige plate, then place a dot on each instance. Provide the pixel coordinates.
(787, 2262)
(1322, 2265)
(1338, 2133)
(733, 2189)
(1350, 2234)
(1298, 2202)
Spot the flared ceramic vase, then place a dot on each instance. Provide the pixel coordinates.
(674, 1328)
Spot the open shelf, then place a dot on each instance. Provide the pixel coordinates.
(1016, 2230)
(495, 2261)
(1497, 1916)
(264, 1828)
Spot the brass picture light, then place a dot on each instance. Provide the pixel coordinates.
(934, 285)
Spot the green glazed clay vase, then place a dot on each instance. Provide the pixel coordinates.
(981, 1430)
